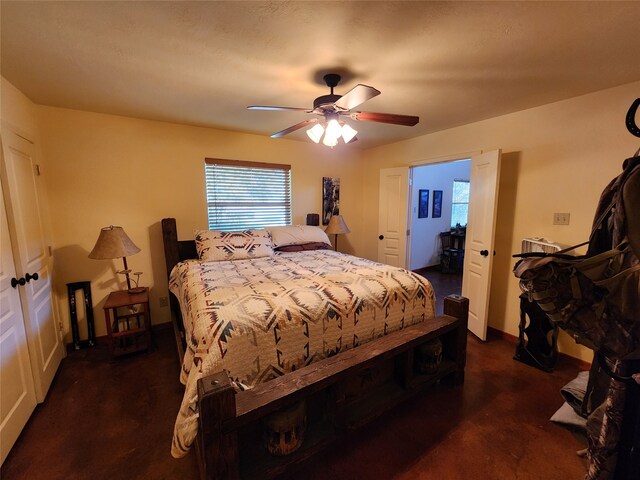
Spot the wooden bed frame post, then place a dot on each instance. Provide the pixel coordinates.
(170, 241)
(217, 401)
(458, 306)
(172, 255)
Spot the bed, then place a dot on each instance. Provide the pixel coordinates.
(340, 336)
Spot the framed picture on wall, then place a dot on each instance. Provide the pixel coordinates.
(330, 198)
(423, 203)
(437, 204)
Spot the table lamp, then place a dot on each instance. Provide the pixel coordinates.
(112, 243)
(337, 226)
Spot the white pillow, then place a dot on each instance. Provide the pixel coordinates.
(217, 246)
(297, 235)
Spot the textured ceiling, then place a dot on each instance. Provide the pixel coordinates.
(202, 63)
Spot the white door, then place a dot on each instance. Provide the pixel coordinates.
(24, 215)
(479, 244)
(17, 393)
(392, 217)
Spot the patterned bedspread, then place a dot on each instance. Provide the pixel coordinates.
(261, 318)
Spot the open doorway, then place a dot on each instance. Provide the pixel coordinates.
(438, 220)
(395, 214)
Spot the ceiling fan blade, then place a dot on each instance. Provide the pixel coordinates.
(263, 107)
(357, 95)
(293, 128)
(406, 120)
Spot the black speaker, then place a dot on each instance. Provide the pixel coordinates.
(313, 219)
(73, 314)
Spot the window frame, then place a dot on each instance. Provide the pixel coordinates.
(459, 180)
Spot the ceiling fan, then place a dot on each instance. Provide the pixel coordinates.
(332, 108)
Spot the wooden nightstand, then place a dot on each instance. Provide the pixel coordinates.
(128, 322)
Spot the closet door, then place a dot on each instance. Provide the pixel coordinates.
(31, 255)
(17, 393)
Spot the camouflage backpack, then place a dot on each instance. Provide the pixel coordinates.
(594, 297)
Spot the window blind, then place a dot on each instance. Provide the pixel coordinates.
(244, 195)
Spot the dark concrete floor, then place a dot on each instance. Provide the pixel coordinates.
(495, 428)
(106, 420)
(443, 284)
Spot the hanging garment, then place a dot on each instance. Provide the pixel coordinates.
(596, 298)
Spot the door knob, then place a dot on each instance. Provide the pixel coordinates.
(28, 277)
(484, 253)
(15, 282)
(381, 237)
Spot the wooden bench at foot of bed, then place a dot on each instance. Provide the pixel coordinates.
(340, 393)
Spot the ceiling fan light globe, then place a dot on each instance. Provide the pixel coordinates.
(315, 132)
(330, 141)
(348, 133)
(334, 130)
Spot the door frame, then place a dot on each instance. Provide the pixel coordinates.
(427, 163)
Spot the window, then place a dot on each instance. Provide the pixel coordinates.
(460, 203)
(243, 195)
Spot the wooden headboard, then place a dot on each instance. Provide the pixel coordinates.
(175, 250)
(178, 250)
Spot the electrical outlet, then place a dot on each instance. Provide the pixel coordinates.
(561, 218)
(164, 301)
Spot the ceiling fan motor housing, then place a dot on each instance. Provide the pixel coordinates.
(325, 102)
(332, 79)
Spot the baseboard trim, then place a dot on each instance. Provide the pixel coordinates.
(577, 363)
(496, 334)
(102, 340)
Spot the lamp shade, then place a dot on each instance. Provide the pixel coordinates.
(337, 225)
(113, 243)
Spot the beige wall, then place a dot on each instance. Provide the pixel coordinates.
(105, 169)
(556, 158)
